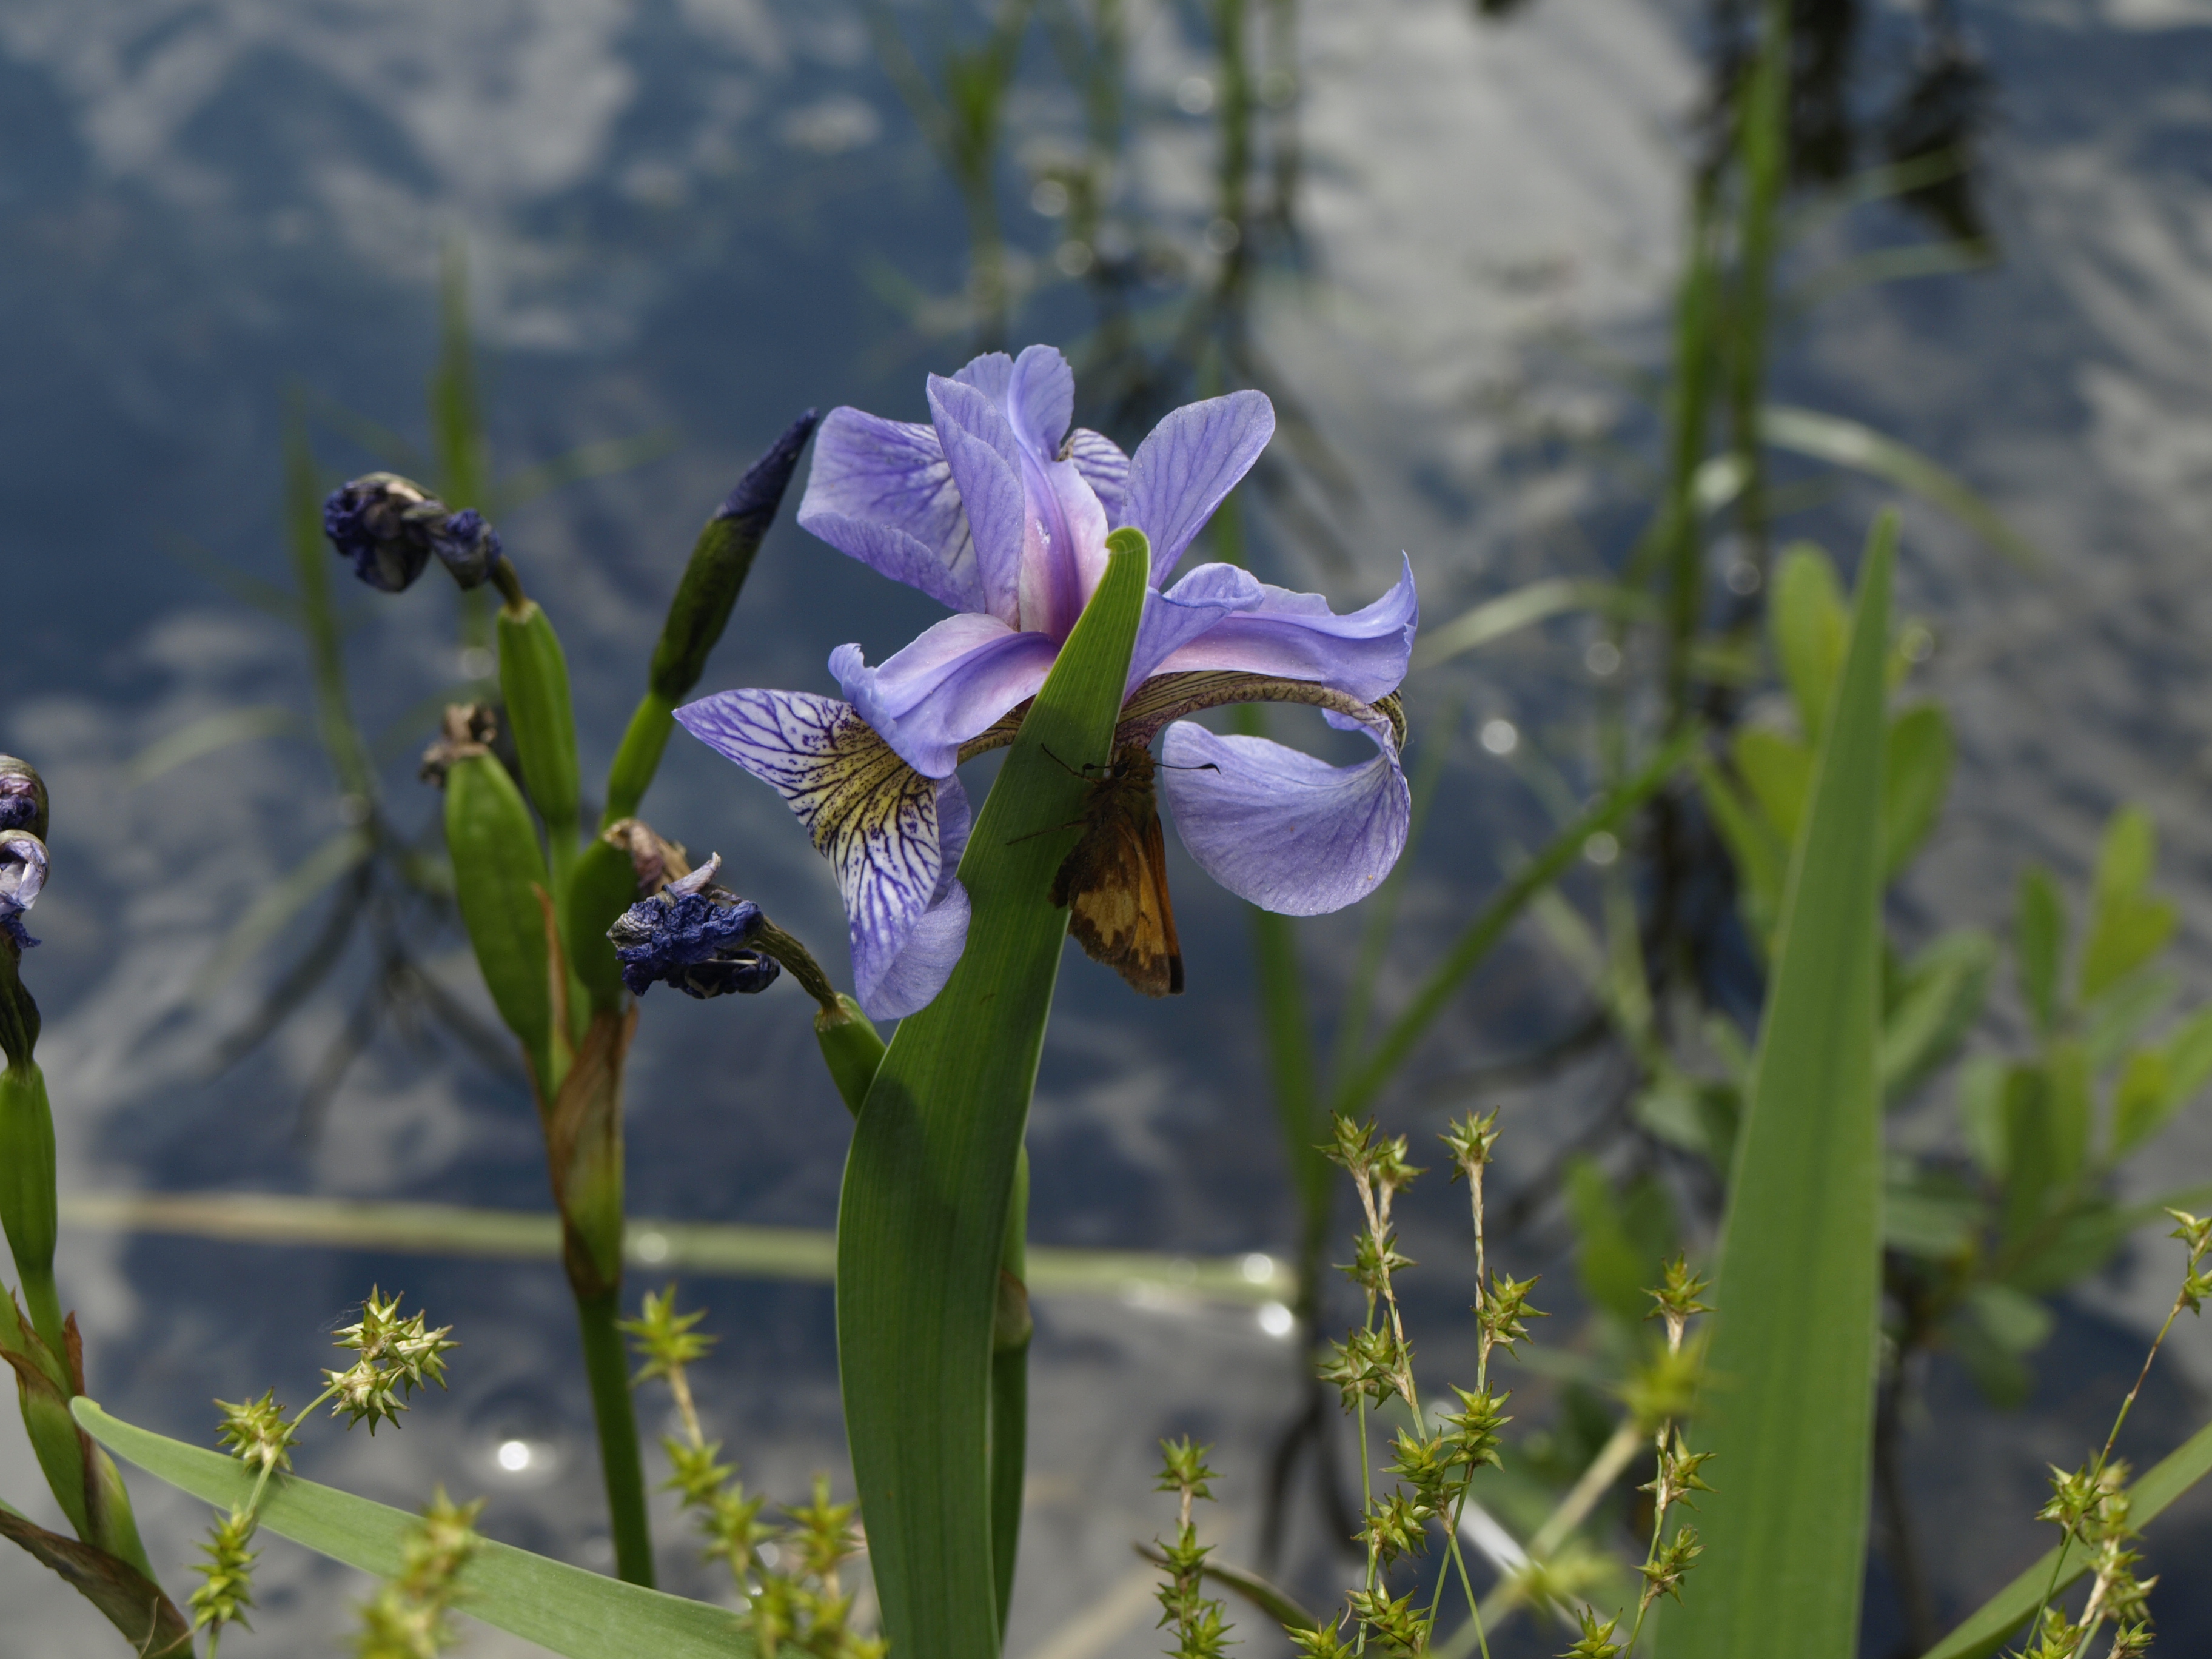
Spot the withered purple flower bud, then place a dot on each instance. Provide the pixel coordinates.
(22, 797)
(468, 545)
(22, 873)
(695, 937)
(389, 526)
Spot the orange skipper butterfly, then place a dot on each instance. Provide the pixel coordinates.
(1114, 882)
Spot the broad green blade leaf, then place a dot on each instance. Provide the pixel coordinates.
(1790, 1399)
(1985, 1632)
(930, 1174)
(561, 1607)
(1846, 443)
(1808, 624)
(1921, 752)
(2038, 942)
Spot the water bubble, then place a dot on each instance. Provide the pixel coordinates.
(649, 1247)
(1258, 1266)
(513, 1455)
(1277, 1320)
(478, 662)
(1050, 197)
(1500, 736)
(1601, 848)
(1277, 88)
(1072, 257)
(1222, 236)
(1743, 577)
(1602, 659)
(1195, 96)
(1917, 642)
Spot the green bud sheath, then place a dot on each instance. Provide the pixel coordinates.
(602, 886)
(850, 1048)
(44, 1386)
(533, 677)
(26, 1192)
(499, 875)
(721, 559)
(639, 757)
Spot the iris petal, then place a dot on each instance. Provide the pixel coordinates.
(1105, 469)
(986, 464)
(1296, 636)
(879, 822)
(1290, 833)
(1189, 611)
(883, 492)
(957, 677)
(1187, 466)
(1040, 401)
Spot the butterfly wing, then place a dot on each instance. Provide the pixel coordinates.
(1115, 885)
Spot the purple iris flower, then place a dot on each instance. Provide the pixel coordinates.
(999, 511)
(22, 873)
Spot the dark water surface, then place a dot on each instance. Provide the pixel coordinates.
(704, 215)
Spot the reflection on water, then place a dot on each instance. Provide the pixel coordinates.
(1433, 240)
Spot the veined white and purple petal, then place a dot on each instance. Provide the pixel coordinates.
(1296, 636)
(880, 823)
(1290, 833)
(956, 678)
(918, 972)
(1188, 464)
(883, 492)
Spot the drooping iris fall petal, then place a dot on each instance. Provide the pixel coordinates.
(1290, 833)
(879, 823)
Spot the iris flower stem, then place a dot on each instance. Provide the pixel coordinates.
(607, 1368)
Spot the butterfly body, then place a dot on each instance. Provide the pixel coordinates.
(1114, 882)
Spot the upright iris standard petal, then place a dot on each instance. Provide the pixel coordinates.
(987, 466)
(880, 823)
(1290, 833)
(1186, 467)
(1296, 636)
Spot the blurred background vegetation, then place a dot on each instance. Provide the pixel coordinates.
(1619, 320)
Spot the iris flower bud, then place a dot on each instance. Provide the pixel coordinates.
(22, 797)
(389, 526)
(22, 873)
(694, 937)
